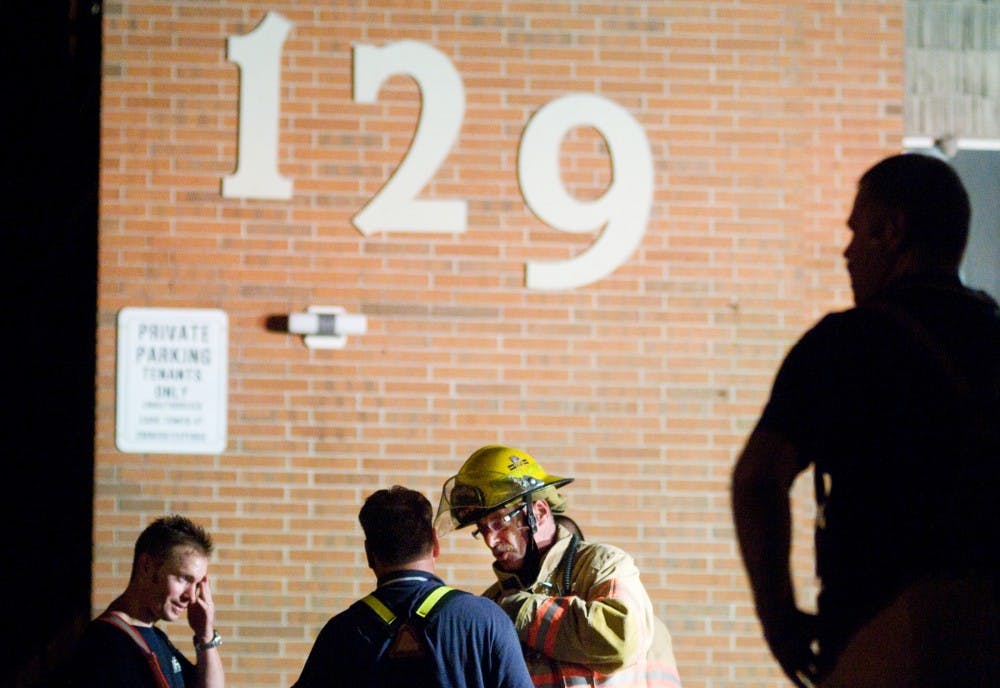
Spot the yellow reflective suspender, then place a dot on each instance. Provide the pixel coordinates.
(431, 600)
(380, 609)
(407, 642)
(422, 611)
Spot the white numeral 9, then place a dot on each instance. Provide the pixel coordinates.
(624, 208)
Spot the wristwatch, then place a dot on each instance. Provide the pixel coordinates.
(214, 642)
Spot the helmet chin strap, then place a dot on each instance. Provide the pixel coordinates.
(529, 514)
(532, 557)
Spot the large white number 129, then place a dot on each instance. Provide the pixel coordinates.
(623, 210)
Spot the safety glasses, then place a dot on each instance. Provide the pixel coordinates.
(496, 522)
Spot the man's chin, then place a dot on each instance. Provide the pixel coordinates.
(508, 564)
(172, 613)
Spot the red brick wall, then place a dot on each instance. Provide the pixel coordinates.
(642, 385)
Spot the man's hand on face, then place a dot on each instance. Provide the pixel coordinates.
(201, 612)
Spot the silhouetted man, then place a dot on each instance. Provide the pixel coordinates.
(896, 405)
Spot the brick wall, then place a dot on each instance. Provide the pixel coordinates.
(643, 385)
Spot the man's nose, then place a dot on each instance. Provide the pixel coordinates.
(849, 248)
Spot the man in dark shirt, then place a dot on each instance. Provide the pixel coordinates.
(896, 406)
(413, 630)
(123, 648)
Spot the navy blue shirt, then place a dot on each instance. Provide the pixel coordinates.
(473, 641)
(107, 657)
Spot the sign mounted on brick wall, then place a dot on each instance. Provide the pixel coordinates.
(172, 380)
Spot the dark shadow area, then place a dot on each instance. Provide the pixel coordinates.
(276, 323)
(49, 219)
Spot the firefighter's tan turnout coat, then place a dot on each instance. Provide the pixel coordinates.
(599, 632)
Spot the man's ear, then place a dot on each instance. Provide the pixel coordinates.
(894, 230)
(436, 550)
(542, 510)
(145, 566)
(368, 557)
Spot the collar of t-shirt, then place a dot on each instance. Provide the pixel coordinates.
(407, 575)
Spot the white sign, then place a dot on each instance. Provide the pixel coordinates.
(172, 380)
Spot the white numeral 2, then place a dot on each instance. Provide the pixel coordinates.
(396, 206)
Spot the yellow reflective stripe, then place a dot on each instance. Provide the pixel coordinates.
(376, 604)
(428, 604)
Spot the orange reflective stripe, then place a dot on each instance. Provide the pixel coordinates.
(615, 590)
(544, 631)
(535, 625)
(642, 675)
(605, 589)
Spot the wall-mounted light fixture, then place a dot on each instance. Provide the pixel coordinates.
(326, 327)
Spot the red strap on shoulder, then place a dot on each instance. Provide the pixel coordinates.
(131, 632)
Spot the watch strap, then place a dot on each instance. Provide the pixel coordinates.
(214, 642)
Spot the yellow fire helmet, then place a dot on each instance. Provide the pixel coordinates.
(490, 478)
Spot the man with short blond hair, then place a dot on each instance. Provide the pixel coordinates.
(123, 648)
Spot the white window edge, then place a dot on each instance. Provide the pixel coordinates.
(910, 142)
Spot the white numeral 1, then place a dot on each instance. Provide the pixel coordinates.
(258, 54)
(624, 207)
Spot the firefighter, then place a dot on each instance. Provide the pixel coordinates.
(580, 610)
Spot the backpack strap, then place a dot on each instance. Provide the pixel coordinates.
(431, 601)
(406, 637)
(962, 388)
(423, 610)
(929, 343)
(382, 611)
(130, 630)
